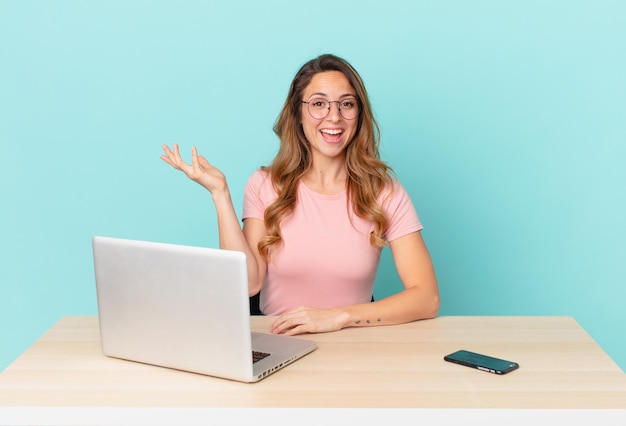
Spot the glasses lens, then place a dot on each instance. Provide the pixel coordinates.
(318, 108)
(349, 108)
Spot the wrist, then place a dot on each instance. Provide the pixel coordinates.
(343, 318)
(219, 195)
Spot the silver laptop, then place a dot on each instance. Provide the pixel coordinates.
(185, 308)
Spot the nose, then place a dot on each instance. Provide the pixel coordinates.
(334, 114)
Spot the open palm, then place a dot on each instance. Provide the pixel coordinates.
(200, 170)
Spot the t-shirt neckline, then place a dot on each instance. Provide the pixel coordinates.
(337, 196)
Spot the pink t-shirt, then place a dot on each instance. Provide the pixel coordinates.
(326, 259)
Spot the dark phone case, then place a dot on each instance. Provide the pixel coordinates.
(481, 362)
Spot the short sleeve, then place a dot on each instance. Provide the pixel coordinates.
(403, 218)
(257, 195)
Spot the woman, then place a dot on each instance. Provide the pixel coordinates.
(316, 219)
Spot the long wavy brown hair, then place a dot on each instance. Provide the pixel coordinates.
(367, 175)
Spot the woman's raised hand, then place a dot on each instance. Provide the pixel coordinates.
(199, 170)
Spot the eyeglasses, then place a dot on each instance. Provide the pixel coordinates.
(320, 107)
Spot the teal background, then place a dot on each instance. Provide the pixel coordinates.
(505, 121)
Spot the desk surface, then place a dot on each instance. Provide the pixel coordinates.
(402, 366)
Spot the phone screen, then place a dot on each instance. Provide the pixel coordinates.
(481, 362)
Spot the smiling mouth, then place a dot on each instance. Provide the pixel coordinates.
(332, 131)
(332, 135)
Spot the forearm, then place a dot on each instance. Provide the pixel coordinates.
(231, 236)
(409, 305)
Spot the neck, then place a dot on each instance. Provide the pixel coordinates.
(326, 179)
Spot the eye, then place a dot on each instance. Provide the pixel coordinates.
(348, 104)
(319, 103)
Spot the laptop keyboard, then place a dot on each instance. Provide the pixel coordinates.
(258, 356)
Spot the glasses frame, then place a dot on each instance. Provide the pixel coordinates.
(357, 106)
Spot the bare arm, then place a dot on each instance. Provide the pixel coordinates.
(231, 235)
(418, 300)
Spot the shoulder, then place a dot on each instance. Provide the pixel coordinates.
(260, 185)
(258, 176)
(394, 193)
(398, 206)
(258, 179)
(396, 201)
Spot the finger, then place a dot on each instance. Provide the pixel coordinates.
(300, 329)
(291, 325)
(274, 326)
(197, 168)
(167, 152)
(178, 159)
(294, 327)
(168, 157)
(279, 325)
(171, 153)
(167, 160)
(194, 155)
(203, 162)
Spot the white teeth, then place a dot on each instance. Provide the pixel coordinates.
(332, 131)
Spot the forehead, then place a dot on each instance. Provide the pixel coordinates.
(329, 83)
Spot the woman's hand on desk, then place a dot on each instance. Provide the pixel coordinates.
(308, 320)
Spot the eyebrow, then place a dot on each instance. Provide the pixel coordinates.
(324, 94)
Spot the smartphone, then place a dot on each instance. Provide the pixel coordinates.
(481, 362)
